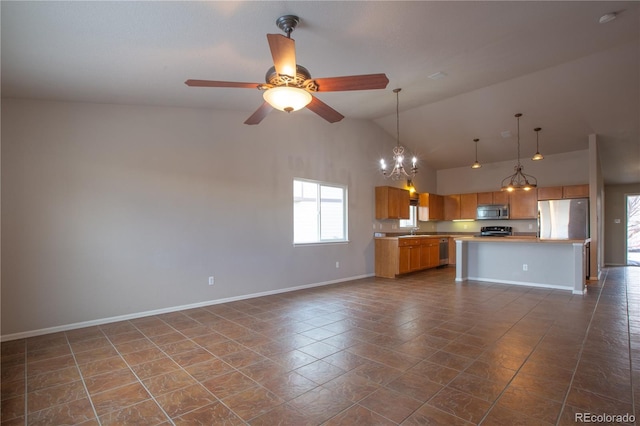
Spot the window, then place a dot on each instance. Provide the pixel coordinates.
(411, 222)
(319, 212)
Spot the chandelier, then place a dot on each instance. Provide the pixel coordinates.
(398, 172)
(519, 180)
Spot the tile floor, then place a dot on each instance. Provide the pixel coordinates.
(413, 351)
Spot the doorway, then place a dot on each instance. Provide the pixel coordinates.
(633, 229)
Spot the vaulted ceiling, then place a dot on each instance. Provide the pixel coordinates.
(551, 61)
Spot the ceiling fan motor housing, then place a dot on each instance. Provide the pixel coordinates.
(302, 79)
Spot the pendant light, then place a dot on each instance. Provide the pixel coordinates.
(476, 165)
(398, 172)
(518, 180)
(537, 156)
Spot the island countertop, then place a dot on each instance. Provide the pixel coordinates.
(522, 239)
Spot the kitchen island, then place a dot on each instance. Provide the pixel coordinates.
(528, 261)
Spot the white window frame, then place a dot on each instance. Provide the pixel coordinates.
(412, 222)
(318, 213)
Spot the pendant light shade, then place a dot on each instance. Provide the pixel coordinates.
(476, 165)
(286, 98)
(519, 181)
(537, 156)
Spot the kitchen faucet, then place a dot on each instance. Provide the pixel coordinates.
(413, 230)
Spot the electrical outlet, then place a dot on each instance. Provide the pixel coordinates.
(211, 281)
(530, 226)
(337, 265)
(525, 267)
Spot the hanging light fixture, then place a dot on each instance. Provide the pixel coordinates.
(476, 165)
(287, 98)
(537, 156)
(518, 180)
(398, 171)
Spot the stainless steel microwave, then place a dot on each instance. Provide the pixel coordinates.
(492, 211)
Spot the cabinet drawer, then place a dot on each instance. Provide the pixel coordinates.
(405, 242)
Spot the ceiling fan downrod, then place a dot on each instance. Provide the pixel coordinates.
(287, 23)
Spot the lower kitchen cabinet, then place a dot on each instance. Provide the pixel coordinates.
(396, 256)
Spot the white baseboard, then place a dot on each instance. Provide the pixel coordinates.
(83, 324)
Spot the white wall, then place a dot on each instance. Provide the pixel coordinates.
(571, 168)
(111, 210)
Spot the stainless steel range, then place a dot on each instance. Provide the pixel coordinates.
(496, 231)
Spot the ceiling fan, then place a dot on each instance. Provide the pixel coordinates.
(289, 86)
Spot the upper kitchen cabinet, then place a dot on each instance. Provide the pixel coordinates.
(575, 191)
(430, 207)
(560, 192)
(550, 193)
(460, 206)
(392, 203)
(452, 207)
(497, 197)
(468, 206)
(523, 204)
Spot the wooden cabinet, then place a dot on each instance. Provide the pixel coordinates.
(468, 206)
(460, 206)
(452, 251)
(430, 207)
(560, 192)
(575, 191)
(550, 193)
(497, 197)
(523, 204)
(409, 255)
(452, 207)
(392, 203)
(430, 253)
(395, 256)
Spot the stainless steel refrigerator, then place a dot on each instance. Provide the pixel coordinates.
(563, 219)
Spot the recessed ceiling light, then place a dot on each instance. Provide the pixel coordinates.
(608, 17)
(438, 75)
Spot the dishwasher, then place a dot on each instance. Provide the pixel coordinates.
(444, 251)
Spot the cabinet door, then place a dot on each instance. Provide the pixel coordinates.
(500, 197)
(414, 258)
(392, 203)
(468, 206)
(452, 251)
(430, 207)
(485, 197)
(434, 253)
(452, 207)
(402, 200)
(575, 191)
(404, 264)
(550, 193)
(523, 204)
(424, 254)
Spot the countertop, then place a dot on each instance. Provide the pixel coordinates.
(522, 239)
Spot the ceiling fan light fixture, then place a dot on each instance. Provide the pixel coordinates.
(286, 98)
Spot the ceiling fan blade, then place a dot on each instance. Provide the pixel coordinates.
(352, 82)
(211, 83)
(283, 51)
(260, 113)
(324, 110)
